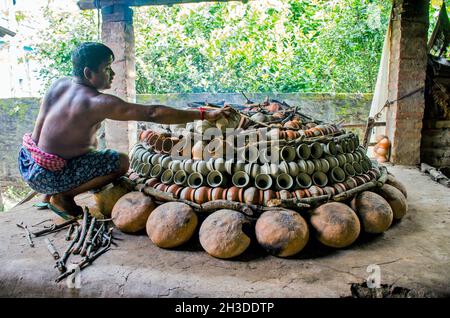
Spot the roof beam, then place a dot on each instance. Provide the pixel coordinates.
(94, 4)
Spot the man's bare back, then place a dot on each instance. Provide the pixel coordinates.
(70, 115)
(67, 123)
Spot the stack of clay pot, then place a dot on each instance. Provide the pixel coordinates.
(305, 169)
(315, 159)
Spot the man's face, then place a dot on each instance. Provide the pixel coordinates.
(103, 77)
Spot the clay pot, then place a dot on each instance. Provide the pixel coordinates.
(201, 195)
(268, 195)
(284, 182)
(350, 183)
(282, 233)
(360, 180)
(319, 179)
(151, 182)
(337, 174)
(396, 200)
(108, 196)
(349, 170)
(167, 145)
(284, 194)
(329, 190)
(315, 191)
(316, 150)
(167, 176)
(195, 180)
(373, 211)
(263, 181)
(180, 178)
(287, 153)
(174, 189)
(299, 194)
(303, 151)
(153, 139)
(171, 224)
(186, 193)
(216, 194)
(335, 224)
(253, 195)
(232, 194)
(156, 171)
(339, 187)
(291, 125)
(291, 135)
(215, 179)
(162, 187)
(303, 181)
(197, 150)
(131, 211)
(391, 180)
(222, 235)
(240, 179)
(329, 148)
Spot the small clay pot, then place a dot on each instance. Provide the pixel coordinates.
(216, 194)
(174, 189)
(268, 195)
(252, 195)
(329, 190)
(339, 187)
(315, 191)
(151, 182)
(233, 194)
(201, 195)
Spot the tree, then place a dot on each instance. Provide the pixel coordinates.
(260, 46)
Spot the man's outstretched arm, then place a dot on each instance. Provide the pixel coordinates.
(112, 107)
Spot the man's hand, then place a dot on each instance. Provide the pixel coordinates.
(215, 115)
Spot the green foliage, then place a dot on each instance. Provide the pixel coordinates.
(283, 46)
(260, 46)
(55, 43)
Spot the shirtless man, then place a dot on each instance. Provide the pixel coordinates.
(59, 158)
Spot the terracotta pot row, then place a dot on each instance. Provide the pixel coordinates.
(161, 143)
(253, 195)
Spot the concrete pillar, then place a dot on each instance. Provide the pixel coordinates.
(118, 34)
(407, 73)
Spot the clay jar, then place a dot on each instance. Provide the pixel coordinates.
(253, 195)
(197, 150)
(201, 195)
(186, 193)
(216, 194)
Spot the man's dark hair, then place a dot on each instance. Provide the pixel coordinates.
(91, 55)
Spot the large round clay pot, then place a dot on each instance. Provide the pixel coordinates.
(335, 224)
(222, 235)
(107, 198)
(131, 211)
(171, 224)
(391, 180)
(374, 212)
(282, 233)
(396, 200)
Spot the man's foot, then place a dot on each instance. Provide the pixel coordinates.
(66, 205)
(46, 198)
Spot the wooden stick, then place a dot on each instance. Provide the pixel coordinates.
(54, 228)
(299, 203)
(84, 229)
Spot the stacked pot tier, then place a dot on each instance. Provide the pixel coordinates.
(305, 169)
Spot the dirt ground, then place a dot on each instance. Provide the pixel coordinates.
(413, 254)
